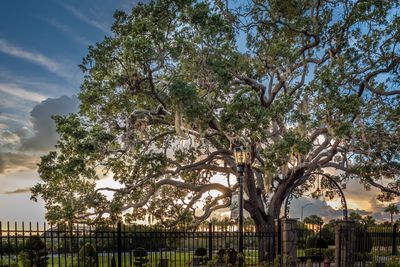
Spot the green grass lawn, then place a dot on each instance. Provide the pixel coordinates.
(175, 259)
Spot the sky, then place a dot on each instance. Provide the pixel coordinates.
(41, 44)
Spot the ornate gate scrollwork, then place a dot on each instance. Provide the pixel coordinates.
(302, 180)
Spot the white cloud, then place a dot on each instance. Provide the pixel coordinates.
(7, 117)
(45, 135)
(16, 162)
(84, 17)
(67, 30)
(9, 139)
(36, 83)
(34, 57)
(15, 90)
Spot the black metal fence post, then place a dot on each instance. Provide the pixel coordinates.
(1, 243)
(210, 241)
(364, 244)
(95, 246)
(119, 244)
(339, 246)
(320, 258)
(394, 239)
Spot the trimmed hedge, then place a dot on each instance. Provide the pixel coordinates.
(316, 242)
(314, 254)
(201, 252)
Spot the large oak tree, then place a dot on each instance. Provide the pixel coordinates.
(304, 85)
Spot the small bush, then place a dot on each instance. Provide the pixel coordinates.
(317, 255)
(316, 242)
(200, 252)
(88, 255)
(231, 256)
(220, 255)
(140, 252)
(328, 234)
(363, 256)
(394, 262)
(33, 253)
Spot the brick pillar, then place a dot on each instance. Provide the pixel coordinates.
(289, 241)
(345, 244)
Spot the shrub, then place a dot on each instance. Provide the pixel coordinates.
(88, 255)
(33, 253)
(316, 242)
(140, 252)
(220, 255)
(328, 234)
(394, 262)
(319, 255)
(363, 256)
(231, 256)
(201, 252)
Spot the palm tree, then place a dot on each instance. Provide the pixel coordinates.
(354, 216)
(392, 209)
(313, 219)
(368, 220)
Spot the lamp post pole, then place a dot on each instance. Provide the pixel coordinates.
(241, 170)
(302, 208)
(241, 157)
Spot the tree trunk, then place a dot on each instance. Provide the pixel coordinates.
(266, 242)
(266, 232)
(265, 221)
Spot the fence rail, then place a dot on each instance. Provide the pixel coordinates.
(123, 245)
(42, 245)
(314, 243)
(377, 244)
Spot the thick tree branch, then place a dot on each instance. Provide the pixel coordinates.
(368, 179)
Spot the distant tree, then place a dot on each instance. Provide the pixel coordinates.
(354, 216)
(248, 223)
(392, 209)
(313, 219)
(227, 223)
(386, 224)
(328, 231)
(368, 220)
(224, 223)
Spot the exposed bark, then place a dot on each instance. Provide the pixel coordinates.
(265, 220)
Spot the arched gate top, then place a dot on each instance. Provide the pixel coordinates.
(302, 180)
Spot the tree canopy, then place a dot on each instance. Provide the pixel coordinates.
(392, 209)
(313, 219)
(306, 86)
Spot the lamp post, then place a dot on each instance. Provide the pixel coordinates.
(302, 208)
(241, 157)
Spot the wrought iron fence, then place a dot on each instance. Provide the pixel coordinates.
(123, 245)
(315, 244)
(361, 245)
(376, 244)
